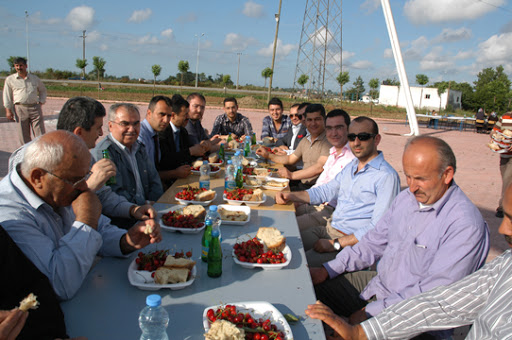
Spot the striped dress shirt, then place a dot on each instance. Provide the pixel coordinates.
(483, 299)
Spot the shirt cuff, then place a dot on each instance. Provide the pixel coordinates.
(373, 329)
(334, 268)
(374, 307)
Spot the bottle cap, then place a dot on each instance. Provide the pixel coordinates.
(213, 208)
(237, 153)
(215, 233)
(205, 162)
(230, 161)
(153, 300)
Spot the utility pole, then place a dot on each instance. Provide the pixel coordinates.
(26, 30)
(238, 69)
(197, 58)
(83, 51)
(278, 17)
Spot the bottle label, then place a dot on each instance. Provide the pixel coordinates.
(204, 184)
(204, 252)
(230, 185)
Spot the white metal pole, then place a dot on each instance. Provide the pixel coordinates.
(402, 75)
(197, 58)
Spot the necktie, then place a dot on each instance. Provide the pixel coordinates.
(177, 140)
(157, 148)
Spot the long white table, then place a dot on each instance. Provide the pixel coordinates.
(107, 306)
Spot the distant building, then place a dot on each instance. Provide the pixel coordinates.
(422, 97)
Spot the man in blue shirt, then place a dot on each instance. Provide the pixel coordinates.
(364, 188)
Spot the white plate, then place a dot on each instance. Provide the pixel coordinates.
(287, 252)
(174, 229)
(246, 210)
(203, 203)
(257, 309)
(217, 164)
(142, 279)
(194, 172)
(275, 179)
(249, 203)
(252, 186)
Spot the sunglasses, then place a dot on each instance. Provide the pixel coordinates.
(292, 115)
(364, 136)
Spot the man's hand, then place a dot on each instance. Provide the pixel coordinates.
(263, 152)
(183, 171)
(341, 327)
(358, 316)
(9, 114)
(11, 323)
(136, 237)
(102, 170)
(87, 208)
(318, 274)
(143, 212)
(279, 151)
(196, 150)
(324, 246)
(285, 173)
(282, 197)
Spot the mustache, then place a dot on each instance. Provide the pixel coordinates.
(508, 238)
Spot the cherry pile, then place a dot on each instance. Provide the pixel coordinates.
(255, 329)
(213, 168)
(177, 220)
(152, 261)
(237, 194)
(189, 193)
(252, 251)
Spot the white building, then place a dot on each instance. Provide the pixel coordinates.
(422, 97)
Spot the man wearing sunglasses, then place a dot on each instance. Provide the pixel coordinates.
(296, 132)
(48, 210)
(136, 178)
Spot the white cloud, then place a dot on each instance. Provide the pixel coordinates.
(103, 47)
(282, 51)
(140, 15)
(388, 53)
(451, 35)
(434, 60)
(80, 17)
(168, 33)
(320, 38)
(370, 6)
(93, 36)
(462, 55)
(147, 40)
(237, 42)
(436, 11)
(417, 49)
(35, 18)
(496, 50)
(361, 64)
(253, 10)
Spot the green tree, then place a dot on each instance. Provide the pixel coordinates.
(10, 61)
(467, 100)
(226, 79)
(358, 87)
(492, 88)
(266, 73)
(342, 79)
(441, 86)
(81, 64)
(303, 79)
(99, 66)
(374, 85)
(156, 69)
(183, 68)
(392, 82)
(422, 80)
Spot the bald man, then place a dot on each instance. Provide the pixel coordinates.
(49, 212)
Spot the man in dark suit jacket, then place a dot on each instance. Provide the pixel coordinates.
(298, 130)
(174, 145)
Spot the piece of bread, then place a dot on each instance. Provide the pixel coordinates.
(267, 141)
(493, 146)
(213, 158)
(224, 330)
(507, 133)
(165, 275)
(196, 210)
(257, 195)
(271, 238)
(233, 144)
(260, 172)
(148, 230)
(230, 215)
(277, 184)
(245, 161)
(197, 163)
(29, 302)
(252, 181)
(172, 262)
(205, 195)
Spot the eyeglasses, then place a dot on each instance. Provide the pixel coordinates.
(125, 124)
(292, 115)
(75, 184)
(363, 136)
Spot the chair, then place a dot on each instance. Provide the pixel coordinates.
(490, 125)
(479, 125)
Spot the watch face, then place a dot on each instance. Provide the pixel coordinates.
(337, 245)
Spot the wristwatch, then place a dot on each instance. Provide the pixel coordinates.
(337, 245)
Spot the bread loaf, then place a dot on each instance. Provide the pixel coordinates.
(165, 275)
(195, 210)
(230, 215)
(197, 163)
(224, 330)
(205, 195)
(172, 262)
(213, 158)
(271, 238)
(29, 302)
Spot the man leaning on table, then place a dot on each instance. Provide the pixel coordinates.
(360, 193)
(231, 122)
(482, 299)
(24, 94)
(431, 235)
(56, 220)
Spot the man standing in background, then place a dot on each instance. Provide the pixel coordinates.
(24, 94)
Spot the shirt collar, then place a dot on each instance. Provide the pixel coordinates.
(148, 127)
(440, 202)
(134, 149)
(344, 149)
(174, 127)
(238, 117)
(320, 137)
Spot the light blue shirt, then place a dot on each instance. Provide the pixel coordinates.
(60, 247)
(363, 196)
(146, 137)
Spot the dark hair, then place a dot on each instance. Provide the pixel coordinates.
(315, 108)
(303, 105)
(80, 112)
(360, 119)
(297, 105)
(196, 95)
(444, 151)
(156, 99)
(19, 60)
(230, 99)
(178, 102)
(338, 113)
(275, 101)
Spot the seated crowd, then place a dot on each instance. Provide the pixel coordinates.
(375, 254)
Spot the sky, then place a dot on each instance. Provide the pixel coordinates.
(443, 39)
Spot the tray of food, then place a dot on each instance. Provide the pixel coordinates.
(191, 195)
(273, 183)
(234, 215)
(252, 182)
(245, 196)
(187, 220)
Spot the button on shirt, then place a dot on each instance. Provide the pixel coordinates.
(146, 136)
(17, 90)
(362, 196)
(417, 249)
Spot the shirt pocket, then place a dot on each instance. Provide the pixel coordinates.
(420, 256)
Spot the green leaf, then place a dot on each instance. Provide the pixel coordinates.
(291, 318)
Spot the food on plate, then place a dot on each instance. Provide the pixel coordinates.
(248, 171)
(507, 133)
(256, 196)
(261, 172)
(197, 164)
(179, 262)
(267, 141)
(237, 194)
(207, 195)
(253, 251)
(152, 261)
(164, 275)
(148, 230)
(213, 168)
(232, 215)
(245, 161)
(233, 144)
(189, 193)
(494, 147)
(271, 238)
(252, 181)
(213, 158)
(178, 219)
(277, 184)
(224, 330)
(29, 302)
(195, 210)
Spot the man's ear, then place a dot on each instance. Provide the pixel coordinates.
(36, 177)
(78, 131)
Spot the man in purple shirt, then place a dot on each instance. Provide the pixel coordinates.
(431, 235)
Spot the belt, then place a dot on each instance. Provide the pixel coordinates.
(29, 105)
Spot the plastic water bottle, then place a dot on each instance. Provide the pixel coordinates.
(230, 183)
(213, 215)
(237, 160)
(247, 146)
(153, 319)
(215, 254)
(204, 176)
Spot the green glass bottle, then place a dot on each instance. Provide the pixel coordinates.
(229, 138)
(239, 179)
(222, 154)
(215, 255)
(111, 180)
(253, 139)
(206, 240)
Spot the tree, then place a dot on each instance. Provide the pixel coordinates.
(342, 79)
(266, 73)
(81, 64)
(374, 84)
(303, 79)
(99, 66)
(392, 82)
(226, 79)
(358, 86)
(441, 88)
(422, 80)
(156, 69)
(10, 61)
(183, 68)
(492, 88)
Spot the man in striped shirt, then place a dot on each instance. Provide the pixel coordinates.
(483, 299)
